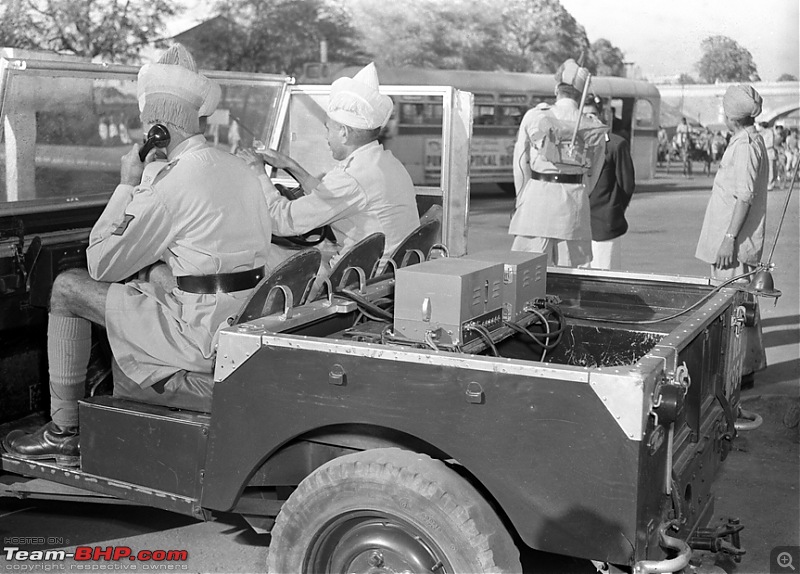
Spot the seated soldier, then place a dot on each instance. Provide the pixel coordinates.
(369, 190)
(203, 214)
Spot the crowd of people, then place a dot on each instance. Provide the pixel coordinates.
(702, 144)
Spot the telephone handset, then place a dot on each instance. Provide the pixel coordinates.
(158, 136)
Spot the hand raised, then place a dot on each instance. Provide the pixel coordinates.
(132, 168)
(276, 158)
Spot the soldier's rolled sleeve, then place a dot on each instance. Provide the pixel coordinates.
(745, 172)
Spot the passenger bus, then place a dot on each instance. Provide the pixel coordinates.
(500, 100)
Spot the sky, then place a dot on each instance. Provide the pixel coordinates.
(662, 37)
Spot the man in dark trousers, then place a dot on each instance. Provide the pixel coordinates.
(610, 197)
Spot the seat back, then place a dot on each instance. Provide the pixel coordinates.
(296, 274)
(416, 247)
(364, 255)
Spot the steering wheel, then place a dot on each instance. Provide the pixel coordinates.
(309, 239)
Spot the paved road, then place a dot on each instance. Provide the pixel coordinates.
(759, 481)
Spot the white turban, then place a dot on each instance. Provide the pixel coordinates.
(172, 91)
(356, 101)
(572, 74)
(741, 101)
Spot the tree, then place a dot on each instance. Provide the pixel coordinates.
(15, 21)
(724, 60)
(685, 79)
(540, 35)
(787, 78)
(275, 37)
(522, 36)
(429, 33)
(109, 30)
(606, 59)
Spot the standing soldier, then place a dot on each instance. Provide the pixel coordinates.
(557, 158)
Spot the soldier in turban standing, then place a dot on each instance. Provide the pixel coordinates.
(368, 191)
(553, 179)
(732, 237)
(202, 213)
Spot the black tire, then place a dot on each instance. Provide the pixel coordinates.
(392, 508)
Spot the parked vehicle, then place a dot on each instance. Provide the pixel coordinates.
(432, 416)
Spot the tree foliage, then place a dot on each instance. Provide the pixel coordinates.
(606, 59)
(519, 35)
(275, 37)
(685, 79)
(787, 78)
(110, 30)
(724, 60)
(428, 33)
(540, 35)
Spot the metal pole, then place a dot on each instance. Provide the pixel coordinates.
(580, 115)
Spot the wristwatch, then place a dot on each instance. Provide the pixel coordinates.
(731, 235)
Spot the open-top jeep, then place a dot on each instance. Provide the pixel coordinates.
(434, 415)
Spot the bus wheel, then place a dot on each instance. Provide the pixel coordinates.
(389, 510)
(508, 188)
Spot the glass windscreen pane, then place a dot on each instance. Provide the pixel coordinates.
(66, 128)
(413, 135)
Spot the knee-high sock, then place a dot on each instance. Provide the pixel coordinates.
(69, 342)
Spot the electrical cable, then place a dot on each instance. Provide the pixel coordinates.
(484, 334)
(367, 307)
(702, 300)
(544, 344)
(429, 340)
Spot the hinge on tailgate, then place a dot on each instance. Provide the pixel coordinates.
(739, 319)
(669, 395)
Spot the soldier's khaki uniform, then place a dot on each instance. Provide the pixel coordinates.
(551, 212)
(203, 214)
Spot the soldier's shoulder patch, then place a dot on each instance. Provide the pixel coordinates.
(124, 225)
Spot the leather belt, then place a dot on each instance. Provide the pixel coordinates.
(222, 282)
(558, 177)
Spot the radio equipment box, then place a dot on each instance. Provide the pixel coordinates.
(441, 297)
(524, 278)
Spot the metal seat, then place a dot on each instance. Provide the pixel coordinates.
(363, 256)
(296, 274)
(416, 247)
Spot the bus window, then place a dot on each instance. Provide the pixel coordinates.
(412, 113)
(483, 114)
(536, 100)
(433, 113)
(643, 114)
(511, 115)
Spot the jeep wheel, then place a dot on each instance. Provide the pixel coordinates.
(386, 511)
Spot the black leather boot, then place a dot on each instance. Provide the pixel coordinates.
(49, 442)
